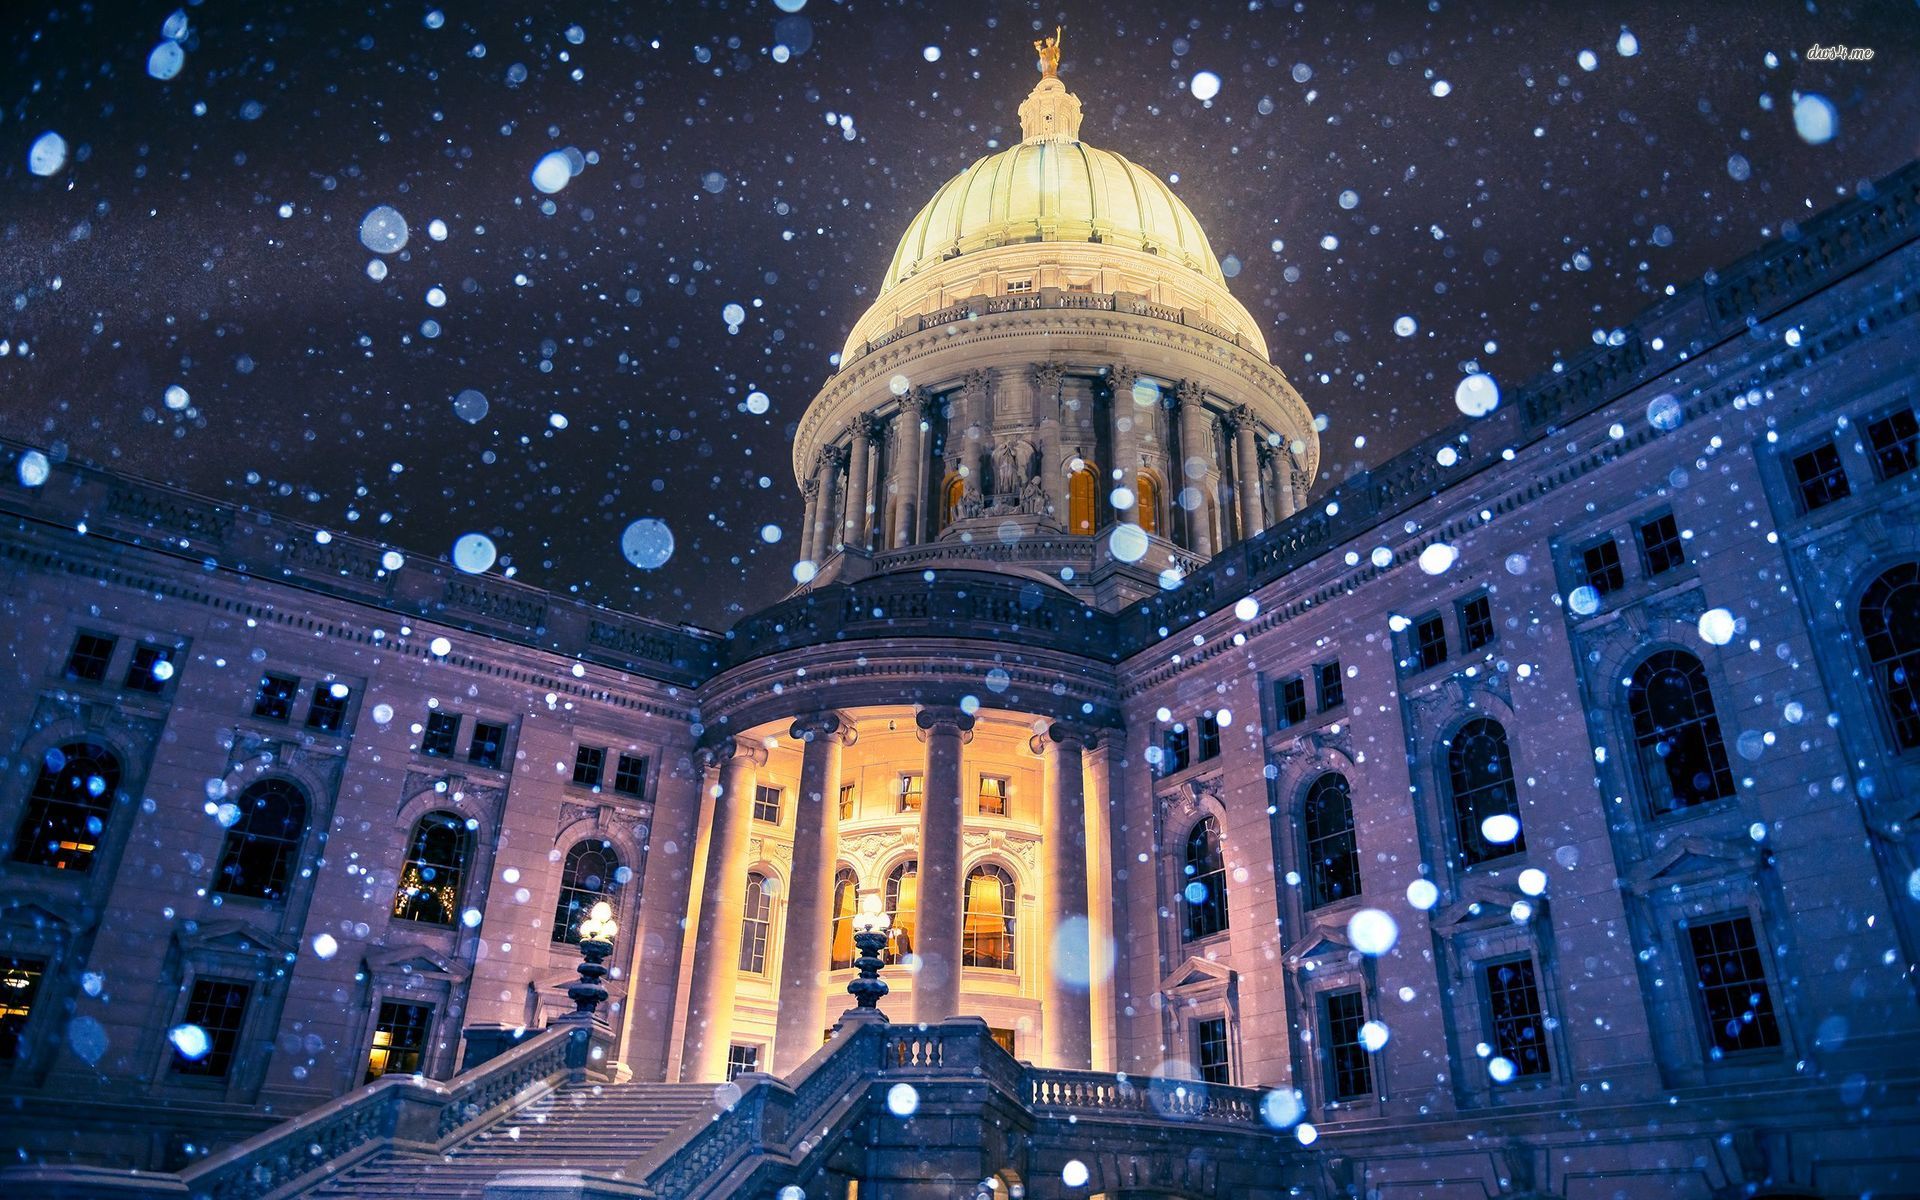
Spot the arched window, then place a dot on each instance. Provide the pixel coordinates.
(435, 874)
(1486, 813)
(1682, 759)
(264, 843)
(1333, 860)
(846, 901)
(1082, 489)
(756, 922)
(950, 499)
(1203, 882)
(1147, 503)
(1890, 627)
(591, 874)
(988, 940)
(67, 811)
(903, 900)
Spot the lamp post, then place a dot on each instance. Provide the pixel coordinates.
(597, 930)
(869, 939)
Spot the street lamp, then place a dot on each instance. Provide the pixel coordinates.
(869, 939)
(597, 930)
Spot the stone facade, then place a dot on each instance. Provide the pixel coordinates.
(1633, 794)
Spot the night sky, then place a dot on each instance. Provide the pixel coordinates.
(1506, 176)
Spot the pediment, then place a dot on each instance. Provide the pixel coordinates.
(1321, 941)
(415, 960)
(230, 936)
(22, 911)
(1197, 972)
(1692, 859)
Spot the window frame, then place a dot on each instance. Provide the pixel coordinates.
(1333, 697)
(1477, 631)
(1318, 878)
(425, 1026)
(275, 696)
(1334, 1049)
(223, 1041)
(326, 712)
(1428, 641)
(104, 661)
(1466, 838)
(1290, 701)
(1886, 662)
(972, 956)
(1491, 1022)
(1804, 502)
(1210, 918)
(589, 766)
(768, 811)
(489, 755)
(1005, 796)
(1646, 735)
(1204, 1068)
(441, 724)
(1608, 576)
(1713, 1053)
(918, 791)
(743, 1058)
(756, 926)
(415, 847)
(630, 775)
(1877, 453)
(1654, 556)
(576, 896)
(46, 796)
(146, 658)
(284, 847)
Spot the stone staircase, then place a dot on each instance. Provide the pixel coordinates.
(588, 1126)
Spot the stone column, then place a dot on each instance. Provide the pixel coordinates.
(716, 947)
(1288, 499)
(805, 954)
(824, 512)
(936, 987)
(853, 531)
(810, 493)
(1196, 450)
(1124, 415)
(1066, 1016)
(1247, 472)
(913, 467)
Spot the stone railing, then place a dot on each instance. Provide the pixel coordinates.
(974, 307)
(396, 1111)
(1184, 1100)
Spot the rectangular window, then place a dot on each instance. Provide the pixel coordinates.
(630, 775)
(913, 788)
(1895, 440)
(19, 985)
(488, 741)
(1210, 1051)
(846, 801)
(1002, 1038)
(766, 804)
(1333, 687)
(1290, 698)
(1733, 987)
(1476, 623)
(1660, 546)
(1019, 285)
(1209, 736)
(588, 762)
(328, 712)
(150, 669)
(442, 735)
(1430, 641)
(89, 658)
(1349, 1073)
(1513, 1010)
(1173, 750)
(993, 795)
(274, 699)
(1820, 477)
(742, 1060)
(399, 1039)
(1600, 567)
(217, 1008)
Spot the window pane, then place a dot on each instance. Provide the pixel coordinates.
(1476, 623)
(1821, 479)
(903, 900)
(1895, 439)
(67, 811)
(1293, 700)
(20, 980)
(1351, 1074)
(1333, 859)
(328, 711)
(591, 873)
(487, 742)
(846, 899)
(150, 668)
(257, 858)
(990, 908)
(587, 764)
(993, 796)
(1733, 987)
(216, 1008)
(432, 878)
(1683, 760)
(1333, 691)
(1600, 565)
(442, 733)
(91, 655)
(912, 790)
(1210, 1051)
(1890, 630)
(754, 926)
(1430, 641)
(1480, 770)
(630, 775)
(766, 804)
(1209, 736)
(399, 1039)
(273, 701)
(1660, 545)
(741, 1060)
(1203, 883)
(1513, 1010)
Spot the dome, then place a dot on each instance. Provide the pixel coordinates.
(1052, 190)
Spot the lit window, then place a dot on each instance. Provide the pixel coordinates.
(399, 1039)
(742, 1060)
(993, 796)
(19, 987)
(756, 922)
(1733, 987)
(903, 899)
(442, 735)
(846, 901)
(433, 876)
(913, 789)
(766, 804)
(846, 801)
(1081, 500)
(588, 762)
(258, 856)
(1019, 285)
(1820, 477)
(273, 701)
(69, 807)
(590, 874)
(989, 917)
(218, 1008)
(1146, 504)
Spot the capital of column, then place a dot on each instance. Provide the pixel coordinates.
(827, 726)
(919, 402)
(1067, 734)
(1120, 378)
(974, 383)
(833, 458)
(870, 427)
(810, 487)
(1240, 419)
(943, 717)
(727, 749)
(1046, 376)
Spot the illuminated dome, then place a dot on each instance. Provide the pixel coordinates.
(1053, 211)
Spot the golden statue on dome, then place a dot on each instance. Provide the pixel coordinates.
(1049, 48)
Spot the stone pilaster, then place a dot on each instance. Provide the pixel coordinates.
(854, 525)
(806, 950)
(1247, 472)
(1124, 416)
(1195, 468)
(1066, 1018)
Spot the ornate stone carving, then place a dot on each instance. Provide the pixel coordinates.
(823, 725)
(1188, 391)
(1046, 378)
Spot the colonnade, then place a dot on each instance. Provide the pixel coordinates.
(806, 1006)
(875, 486)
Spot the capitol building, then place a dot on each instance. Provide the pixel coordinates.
(1533, 815)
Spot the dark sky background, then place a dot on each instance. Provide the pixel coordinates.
(204, 230)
